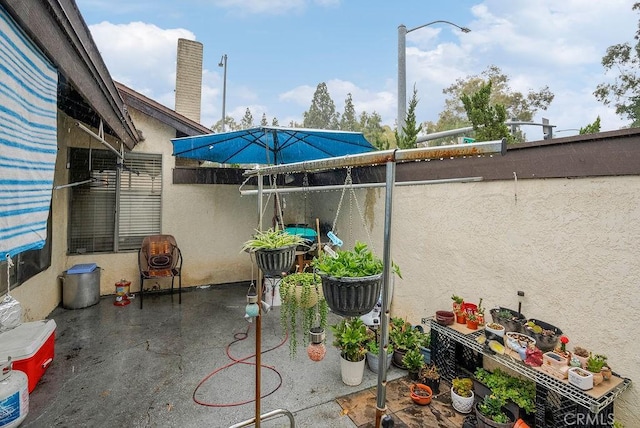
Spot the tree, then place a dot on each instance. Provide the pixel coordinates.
(487, 120)
(624, 92)
(348, 122)
(247, 120)
(263, 121)
(410, 130)
(373, 131)
(229, 125)
(518, 106)
(592, 128)
(322, 113)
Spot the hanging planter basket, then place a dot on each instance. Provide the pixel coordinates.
(351, 297)
(275, 262)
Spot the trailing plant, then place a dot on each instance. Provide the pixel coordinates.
(350, 337)
(356, 263)
(413, 360)
(522, 392)
(272, 238)
(462, 386)
(306, 306)
(491, 407)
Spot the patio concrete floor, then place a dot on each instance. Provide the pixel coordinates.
(126, 367)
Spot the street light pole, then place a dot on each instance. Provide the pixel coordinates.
(223, 63)
(402, 68)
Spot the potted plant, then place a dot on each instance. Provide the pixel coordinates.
(302, 304)
(581, 378)
(491, 413)
(595, 363)
(274, 249)
(581, 354)
(404, 337)
(414, 362)
(373, 354)
(457, 302)
(495, 328)
(420, 394)
(472, 320)
(430, 376)
(350, 337)
(517, 393)
(546, 335)
(510, 319)
(462, 396)
(351, 280)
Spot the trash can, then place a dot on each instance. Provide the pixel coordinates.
(81, 286)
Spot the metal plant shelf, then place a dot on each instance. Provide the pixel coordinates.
(565, 389)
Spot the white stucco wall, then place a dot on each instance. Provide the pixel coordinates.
(570, 244)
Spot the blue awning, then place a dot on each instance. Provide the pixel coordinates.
(271, 145)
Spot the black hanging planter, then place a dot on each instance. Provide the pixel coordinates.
(275, 262)
(351, 297)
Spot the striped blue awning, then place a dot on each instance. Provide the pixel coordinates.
(28, 139)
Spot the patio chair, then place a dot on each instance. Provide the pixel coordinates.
(160, 257)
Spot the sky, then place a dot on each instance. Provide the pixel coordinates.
(278, 51)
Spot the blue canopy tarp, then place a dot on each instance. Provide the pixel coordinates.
(271, 145)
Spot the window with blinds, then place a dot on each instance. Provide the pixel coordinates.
(118, 204)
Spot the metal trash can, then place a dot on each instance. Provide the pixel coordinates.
(81, 286)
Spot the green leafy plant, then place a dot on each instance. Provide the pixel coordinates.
(302, 303)
(462, 386)
(403, 336)
(491, 407)
(457, 299)
(428, 372)
(374, 347)
(505, 314)
(522, 392)
(350, 337)
(596, 362)
(413, 360)
(356, 263)
(272, 238)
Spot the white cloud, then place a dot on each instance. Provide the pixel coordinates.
(141, 56)
(275, 7)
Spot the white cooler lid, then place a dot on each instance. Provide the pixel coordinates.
(25, 340)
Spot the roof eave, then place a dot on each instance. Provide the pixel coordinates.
(59, 30)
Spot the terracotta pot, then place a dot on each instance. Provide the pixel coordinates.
(460, 318)
(424, 397)
(597, 378)
(606, 373)
(472, 324)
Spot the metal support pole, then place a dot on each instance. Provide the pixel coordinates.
(381, 406)
(402, 78)
(223, 63)
(259, 317)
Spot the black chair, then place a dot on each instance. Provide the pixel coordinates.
(160, 257)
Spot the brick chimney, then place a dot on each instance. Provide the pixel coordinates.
(189, 79)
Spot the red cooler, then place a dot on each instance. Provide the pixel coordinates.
(31, 348)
